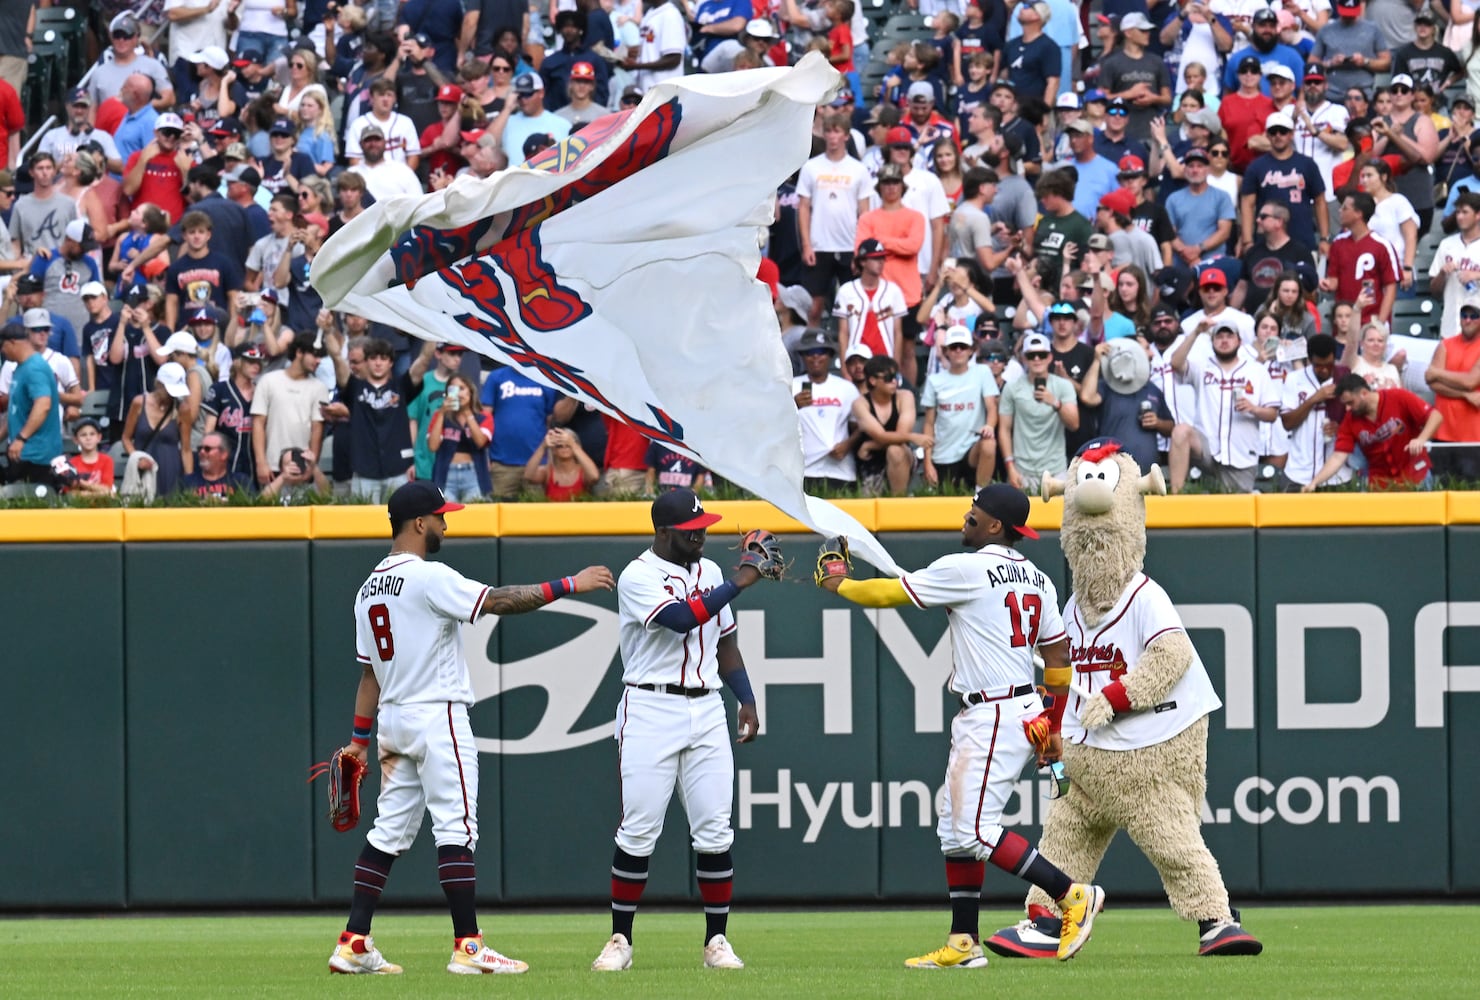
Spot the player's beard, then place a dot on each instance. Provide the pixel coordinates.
(434, 542)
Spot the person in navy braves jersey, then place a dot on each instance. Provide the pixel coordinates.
(228, 407)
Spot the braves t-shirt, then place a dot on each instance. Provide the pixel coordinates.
(520, 407)
(203, 280)
(1384, 440)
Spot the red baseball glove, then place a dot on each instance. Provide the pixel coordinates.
(345, 772)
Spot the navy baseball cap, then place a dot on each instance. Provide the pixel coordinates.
(1007, 504)
(418, 498)
(682, 510)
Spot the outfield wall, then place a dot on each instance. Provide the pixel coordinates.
(166, 696)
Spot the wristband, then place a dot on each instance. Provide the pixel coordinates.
(1115, 694)
(360, 735)
(701, 613)
(738, 681)
(556, 589)
(1007, 460)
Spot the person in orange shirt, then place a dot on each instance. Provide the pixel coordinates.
(901, 230)
(1454, 375)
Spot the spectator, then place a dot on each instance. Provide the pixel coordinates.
(1097, 175)
(1014, 126)
(39, 220)
(561, 466)
(529, 118)
(316, 134)
(1410, 135)
(288, 407)
(203, 322)
(303, 300)
(418, 80)
(664, 39)
(1265, 47)
(268, 252)
(1031, 62)
(1061, 229)
(972, 233)
(1454, 376)
(1244, 112)
(285, 166)
(901, 231)
(522, 410)
(213, 475)
(33, 415)
(138, 336)
(1351, 49)
(1362, 267)
(1128, 244)
(78, 132)
(871, 306)
(158, 451)
(1132, 408)
(228, 409)
(28, 292)
(37, 325)
(1306, 412)
(297, 479)
(667, 470)
(1372, 361)
(384, 177)
(127, 58)
(201, 275)
(1201, 215)
(136, 130)
(581, 107)
(1113, 141)
(349, 192)
(155, 175)
(824, 405)
(1272, 254)
(1424, 59)
(757, 38)
(1283, 176)
(832, 193)
(1456, 267)
(1392, 427)
(575, 61)
(1034, 412)
(242, 182)
(379, 439)
(231, 224)
(1212, 291)
(64, 271)
(1234, 396)
(97, 335)
(960, 432)
(438, 363)
(1136, 76)
(94, 469)
(457, 437)
(883, 445)
(1289, 308)
(398, 133)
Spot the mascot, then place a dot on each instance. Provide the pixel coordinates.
(1135, 730)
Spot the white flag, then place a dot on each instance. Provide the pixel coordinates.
(618, 267)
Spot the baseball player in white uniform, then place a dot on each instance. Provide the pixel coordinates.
(415, 679)
(678, 643)
(1002, 608)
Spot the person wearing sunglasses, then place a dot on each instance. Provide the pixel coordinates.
(1034, 414)
(1283, 176)
(1274, 253)
(213, 476)
(1351, 48)
(824, 403)
(1407, 133)
(125, 58)
(1114, 142)
(1243, 112)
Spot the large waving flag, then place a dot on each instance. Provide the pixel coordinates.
(618, 268)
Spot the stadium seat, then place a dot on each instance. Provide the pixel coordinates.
(1416, 317)
(48, 67)
(66, 22)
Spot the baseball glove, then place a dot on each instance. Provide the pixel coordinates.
(345, 772)
(832, 559)
(762, 549)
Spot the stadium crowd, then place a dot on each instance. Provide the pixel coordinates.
(1195, 227)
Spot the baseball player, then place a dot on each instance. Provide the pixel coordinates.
(407, 617)
(678, 644)
(1002, 607)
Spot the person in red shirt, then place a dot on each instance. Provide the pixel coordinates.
(561, 467)
(95, 470)
(12, 121)
(156, 174)
(1392, 427)
(441, 140)
(1243, 113)
(624, 465)
(1362, 267)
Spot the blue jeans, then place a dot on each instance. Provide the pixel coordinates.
(462, 484)
(375, 490)
(272, 45)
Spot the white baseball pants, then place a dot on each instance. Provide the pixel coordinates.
(428, 763)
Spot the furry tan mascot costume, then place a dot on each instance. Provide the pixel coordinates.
(1135, 730)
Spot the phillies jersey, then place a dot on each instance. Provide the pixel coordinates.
(1001, 608)
(653, 653)
(870, 315)
(1103, 653)
(406, 629)
(1355, 261)
(1235, 439)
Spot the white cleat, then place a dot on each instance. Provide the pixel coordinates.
(616, 955)
(471, 957)
(719, 955)
(356, 954)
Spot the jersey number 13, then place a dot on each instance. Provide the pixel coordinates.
(1028, 606)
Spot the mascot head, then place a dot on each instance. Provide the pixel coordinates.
(1104, 524)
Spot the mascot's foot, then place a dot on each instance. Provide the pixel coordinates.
(1036, 938)
(1226, 937)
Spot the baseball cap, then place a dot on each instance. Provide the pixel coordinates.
(957, 335)
(528, 83)
(269, 295)
(1264, 15)
(1352, 7)
(1224, 326)
(451, 93)
(125, 23)
(172, 377)
(85, 423)
(1196, 153)
(859, 350)
(1279, 120)
(247, 55)
(1212, 277)
(1007, 504)
(1060, 309)
(1135, 19)
(1094, 96)
(1425, 16)
(870, 248)
(1069, 99)
(230, 125)
(1121, 201)
(236, 151)
(169, 120)
(1098, 241)
(249, 352)
(1080, 126)
(537, 142)
(422, 39)
(631, 95)
(1208, 119)
(1401, 80)
(815, 340)
(244, 174)
(27, 283)
(889, 172)
(213, 56)
(759, 28)
(78, 231)
(92, 288)
(12, 331)
(80, 96)
(1118, 106)
(920, 91)
(471, 135)
(418, 498)
(899, 136)
(202, 314)
(451, 347)
(844, 98)
(1250, 64)
(36, 319)
(284, 127)
(136, 295)
(682, 510)
(1132, 164)
(583, 71)
(371, 132)
(1278, 69)
(1314, 72)
(1163, 310)
(180, 340)
(1036, 343)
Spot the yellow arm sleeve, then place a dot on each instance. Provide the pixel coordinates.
(884, 592)
(1057, 676)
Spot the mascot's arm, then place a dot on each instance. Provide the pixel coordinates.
(1159, 669)
(882, 592)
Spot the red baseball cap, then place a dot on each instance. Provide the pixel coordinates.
(899, 136)
(449, 93)
(1121, 201)
(1212, 276)
(1131, 164)
(583, 71)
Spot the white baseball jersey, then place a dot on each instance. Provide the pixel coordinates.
(1274, 439)
(1101, 654)
(652, 654)
(406, 629)
(1002, 607)
(1236, 317)
(835, 188)
(663, 32)
(1331, 119)
(1235, 438)
(854, 304)
(1465, 257)
(824, 424)
(1179, 395)
(1310, 445)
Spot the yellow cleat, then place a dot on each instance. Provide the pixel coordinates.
(959, 952)
(356, 954)
(1080, 907)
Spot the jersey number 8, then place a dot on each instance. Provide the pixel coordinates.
(385, 643)
(1031, 607)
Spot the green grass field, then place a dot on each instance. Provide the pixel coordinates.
(1336, 951)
